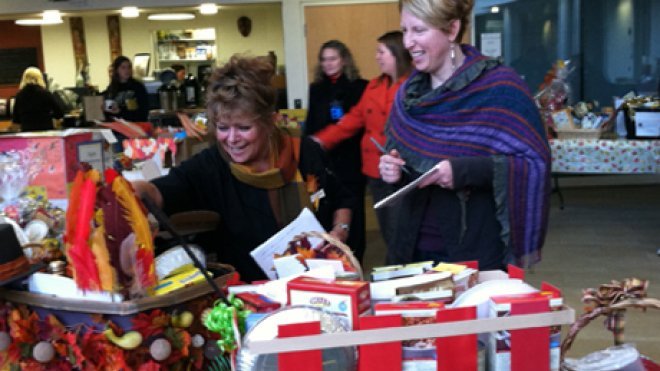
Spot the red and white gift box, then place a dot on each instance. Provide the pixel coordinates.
(349, 299)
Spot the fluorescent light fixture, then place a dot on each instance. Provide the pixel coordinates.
(29, 22)
(130, 12)
(208, 9)
(52, 16)
(48, 17)
(170, 16)
(495, 9)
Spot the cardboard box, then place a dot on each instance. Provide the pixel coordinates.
(499, 345)
(348, 299)
(58, 154)
(398, 271)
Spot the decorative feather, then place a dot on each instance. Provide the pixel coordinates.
(80, 255)
(116, 229)
(110, 175)
(107, 275)
(135, 215)
(72, 210)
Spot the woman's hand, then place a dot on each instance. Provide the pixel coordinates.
(339, 232)
(443, 176)
(390, 167)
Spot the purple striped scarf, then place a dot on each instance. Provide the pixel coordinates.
(484, 109)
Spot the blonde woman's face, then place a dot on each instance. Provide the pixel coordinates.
(331, 62)
(428, 46)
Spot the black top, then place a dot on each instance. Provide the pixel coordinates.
(468, 227)
(35, 108)
(205, 182)
(345, 158)
(131, 98)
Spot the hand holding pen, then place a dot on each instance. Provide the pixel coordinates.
(391, 164)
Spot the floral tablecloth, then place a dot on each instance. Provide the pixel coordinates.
(605, 156)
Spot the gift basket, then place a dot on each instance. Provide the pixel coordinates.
(611, 301)
(108, 302)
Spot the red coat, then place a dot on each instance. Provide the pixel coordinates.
(370, 113)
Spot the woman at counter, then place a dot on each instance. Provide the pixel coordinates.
(127, 96)
(35, 107)
(254, 177)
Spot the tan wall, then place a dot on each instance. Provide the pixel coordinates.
(137, 37)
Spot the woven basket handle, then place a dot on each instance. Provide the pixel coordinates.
(342, 246)
(586, 318)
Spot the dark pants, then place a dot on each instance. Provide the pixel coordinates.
(356, 236)
(386, 215)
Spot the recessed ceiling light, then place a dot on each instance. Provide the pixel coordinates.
(170, 16)
(130, 12)
(208, 9)
(52, 16)
(495, 9)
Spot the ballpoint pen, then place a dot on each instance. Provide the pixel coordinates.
(384, 151)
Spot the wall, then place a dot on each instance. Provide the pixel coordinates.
(13, 36)
(137, 37)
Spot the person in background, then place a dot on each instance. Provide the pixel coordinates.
(35, 107)
(370, 115)
(254, 177)
(472, 123)
(337, 87)
(180, 71)
(129, 95)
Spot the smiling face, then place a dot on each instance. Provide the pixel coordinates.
(242, 137)
(386, 60)
(428, 46)
(331, 62)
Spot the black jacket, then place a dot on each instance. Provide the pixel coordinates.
(132, 100)
(345, 159)
(35, 108)
(205, 182)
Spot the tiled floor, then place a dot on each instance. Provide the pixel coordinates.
(604, 233)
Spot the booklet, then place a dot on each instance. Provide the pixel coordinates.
(265, 253)
(387, 201)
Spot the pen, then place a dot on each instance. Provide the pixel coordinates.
(382, 150)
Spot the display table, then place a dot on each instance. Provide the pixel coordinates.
(594, 156)
(590, 156)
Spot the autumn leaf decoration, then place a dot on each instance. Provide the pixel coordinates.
(135, 215)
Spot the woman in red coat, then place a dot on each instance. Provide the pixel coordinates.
(371, 114)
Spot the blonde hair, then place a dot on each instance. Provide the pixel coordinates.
(32, 75)
(440, 13)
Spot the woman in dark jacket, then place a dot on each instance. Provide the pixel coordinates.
(129, 95)
(337, 87)
(35, 108)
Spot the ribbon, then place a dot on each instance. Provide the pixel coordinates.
(228, 321)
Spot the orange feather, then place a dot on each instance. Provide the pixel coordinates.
(107, 275)
(135, 215)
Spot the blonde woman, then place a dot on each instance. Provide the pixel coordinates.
(35, 108)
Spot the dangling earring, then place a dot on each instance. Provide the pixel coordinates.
(452, 55)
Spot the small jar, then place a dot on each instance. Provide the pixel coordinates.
(57, 267)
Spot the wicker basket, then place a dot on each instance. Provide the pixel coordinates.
(599, 133)
(341, 246)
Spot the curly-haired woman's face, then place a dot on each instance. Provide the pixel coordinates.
(242, 138)
(331, 62)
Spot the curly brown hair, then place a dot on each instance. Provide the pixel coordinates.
(349, 70)
(242, 86)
